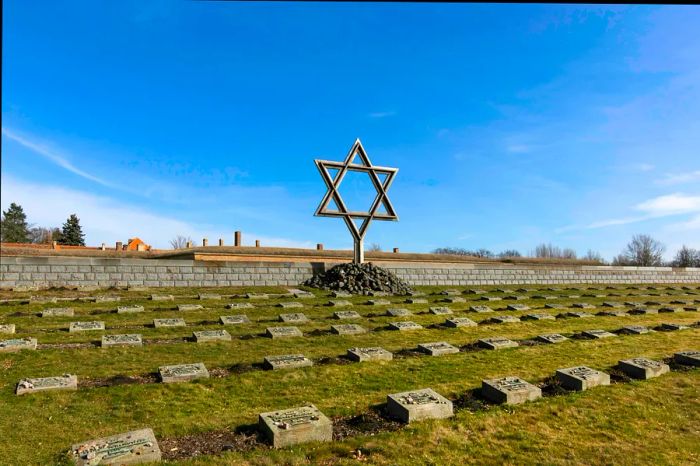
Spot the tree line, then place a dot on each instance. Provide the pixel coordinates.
(15, 229)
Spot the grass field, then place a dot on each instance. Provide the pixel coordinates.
(213, 421)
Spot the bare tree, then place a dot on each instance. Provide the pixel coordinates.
(644, 251)
(374, 247)
(42, 235)
(594, 256)
(509, 253)
(549, 251)
(687, 257)
(180, 242)
(568, 253)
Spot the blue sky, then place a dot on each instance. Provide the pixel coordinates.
(511, 125)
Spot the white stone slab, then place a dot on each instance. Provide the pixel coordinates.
(86, 326)
(456, 322)
(348, 329)
(283, 332)
(58, 312)
(17, 344)
(135, 447)
(158, 323)
(437, 348)
(183, 372)
(417, 405)
(369, 354)
(63, 382)
(129, 309)
(404, 326)
(581, 378)
(122, 340)
(496, 343)
(643, 368)
(234, 320)
(297, 425)
(205, 336)
(509, 390)
(287, 361)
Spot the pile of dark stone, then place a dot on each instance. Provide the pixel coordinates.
(359, 279)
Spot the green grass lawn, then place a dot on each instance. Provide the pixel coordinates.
(629, 422)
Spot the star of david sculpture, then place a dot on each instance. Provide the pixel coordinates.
(333, 184)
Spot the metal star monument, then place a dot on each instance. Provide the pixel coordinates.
(333, 184)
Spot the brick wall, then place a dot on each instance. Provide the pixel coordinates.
(19, 272)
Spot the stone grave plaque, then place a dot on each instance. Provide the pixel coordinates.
(86, 326)
(208, 296)
(480, 309)
(597, 334)
(234, 320)
(296, 425)
(437, 348)
(417, 405)
(158, 323)
(189, 307)
(135, 288)
(683, 303)
(129, 309)
(551, 338)
(84, 299)
(449, 293)
(554, 306)
(256, 296)
(515, 297)
(58, 312)
(205, 336)
(503, 319)
(239, 306)
(132, 339)
(643, 368)
(538, 317)
(581, 378)
(346, 315)
(416, 293)
(295, 317)
(578, 315)
(369, 354)
(289, 304)
(183, 372)
(509, 390)
(440, 311)
(403, 326)
(518, 307)
(137, 446)
(652, 303)
(162, 297)
(339, 303)
(669, 309)
(287, 361)
(107, 299)
(17, 344)
(378, 293)
(63, 382)
(300, 294)
(416, 301)
(496, 343)
(634, 330)
(398, 312)
(471, 291)
(7, 328)
(524, 290)
(583, 306)
(612, 304)
(632, 304)
(689, 357)
(490, 298)
(454, 299)
(378, 302)
(341, 294)
(642, 310)
(283, 332)
(672, 327)
(504, 290)
(612, 314)
(348, 329)
(456, 322)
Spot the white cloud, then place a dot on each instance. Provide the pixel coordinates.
(679, 178)
(670, 204)
(106, 220)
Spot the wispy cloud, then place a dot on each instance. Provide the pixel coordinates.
(382, 114)
(679, 178)
(52, 155)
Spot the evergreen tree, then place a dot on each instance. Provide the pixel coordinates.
(72, 233)
(14, 227)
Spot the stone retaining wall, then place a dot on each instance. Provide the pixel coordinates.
(43, 272)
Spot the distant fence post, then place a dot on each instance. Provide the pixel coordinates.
(237, 238)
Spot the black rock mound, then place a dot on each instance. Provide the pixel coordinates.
(359, 279)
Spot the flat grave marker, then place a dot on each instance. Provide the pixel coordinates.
(58, 312)
(490, 298)
(581, 378)
(454, 299)
(346, 315)
(503, 319)
(161, 323)
(437, 348)
(17, 344)
(495, 343)
(416, 301)
(404, 326)
(239, 306)
(643, 368)
(551, 338)
(669, 309)
(378, 302)
(287, 361)
(449, 293)
(672, 327)
(300, 294)
(348, 329)
(417, 405)
(538, 317)
(472, 291)
(162, 297)
(189, 307)
(339, 303)
(688, 357)
(234, 320)
(62, 382)
(480, 308)
(440, 311)
(597, 334)
(107, 299)
(341, 294)
(515, 297)
(612, 314)
(209, 296)
(183, 372)
(129, 309)
(283, 332)
(456, 322)
(137, 446)
(642, 311)
(509, 390)
(296, 317)
(577, 315)
(378, 293)
(394, 312)
(86, 326)
(634, 330)
(554, 306)
(256, 296)
(290, 304)
(518, 307)
(583, 306)
(369, 354)
(205, 336)
(612, 304)
(7, 328)
(297, 425)
(132, 339)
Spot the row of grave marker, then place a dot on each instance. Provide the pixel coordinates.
(307, 423)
